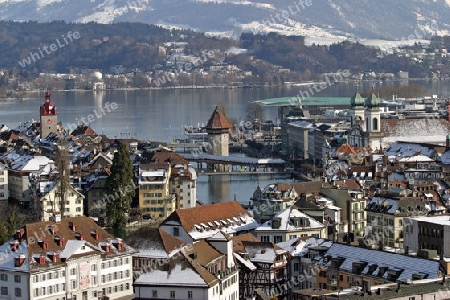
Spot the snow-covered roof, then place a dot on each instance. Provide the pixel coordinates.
(405, 149)
(245, 262)
(440, 220)
(406, 265)
(7, 256)
(299, 247)
(260, 252)
(178, 276)
(28, 163)
(71, 247)
(286, 223)
(391, 204)
(415, 158)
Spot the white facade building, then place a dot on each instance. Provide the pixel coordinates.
(50, 202)
(431, 233)
(71, 259)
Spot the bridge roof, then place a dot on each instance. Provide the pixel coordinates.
(307, 101)
(235, 159)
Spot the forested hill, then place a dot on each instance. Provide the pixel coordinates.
(99, 46)
(143, 46)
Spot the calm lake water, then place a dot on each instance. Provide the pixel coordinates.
(162, 114)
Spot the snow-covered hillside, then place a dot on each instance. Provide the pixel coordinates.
(318, 19)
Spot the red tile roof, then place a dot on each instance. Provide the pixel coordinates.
(207, 213)
(36, 234)
(238, 245)
(218, 121)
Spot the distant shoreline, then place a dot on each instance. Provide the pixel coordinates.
(200, 87)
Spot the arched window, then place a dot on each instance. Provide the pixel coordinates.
(375, 124)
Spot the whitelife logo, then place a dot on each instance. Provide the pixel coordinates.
(46, 50)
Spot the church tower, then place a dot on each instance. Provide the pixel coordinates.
(373, 121)
(49, 119)
(357, 112)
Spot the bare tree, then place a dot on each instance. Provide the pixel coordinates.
(254, 113)
(62, 162)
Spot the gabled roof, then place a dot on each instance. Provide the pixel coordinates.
(189, 268)
(153, 242)
(286, 224)
(238, 241)
(262, 252)
(205, 214)
(311, 187)
(180, 272)
(83, 130)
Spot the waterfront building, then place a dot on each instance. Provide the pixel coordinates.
(155, 198)
(48, 117)
(278, 196)
(183, 177)
(272, 199)
(71, 258)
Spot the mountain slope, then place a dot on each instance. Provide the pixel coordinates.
(383, 19)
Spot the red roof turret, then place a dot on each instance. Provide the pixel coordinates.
(48, 109)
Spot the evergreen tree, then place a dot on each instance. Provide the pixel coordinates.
(12, 222)
(120, 190)
(4, 236)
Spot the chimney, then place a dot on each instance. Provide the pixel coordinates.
(224, 245)
(53, 256)
(39, 258)
(57, 217)
(19, 260)
(79, 236)
(19, 234)
(106, 247)
(53, 229)
(118, 244)
(96, 235)
(14, 245)
(73, 226)
(43, 244)
(59, 241)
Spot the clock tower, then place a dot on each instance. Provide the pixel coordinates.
(49, 119)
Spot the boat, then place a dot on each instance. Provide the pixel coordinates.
(195, 134)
